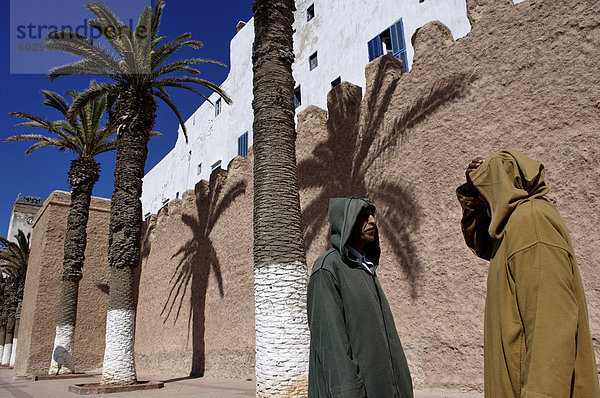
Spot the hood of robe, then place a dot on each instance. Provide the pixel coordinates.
(343, 213)
(507, 179)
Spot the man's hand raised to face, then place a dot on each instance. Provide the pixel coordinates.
(475, 163)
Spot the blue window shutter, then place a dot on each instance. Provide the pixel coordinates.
(398, 44)
(371, 46)
(375, 48)
(243, 145)
(400, 29)
(394, 35)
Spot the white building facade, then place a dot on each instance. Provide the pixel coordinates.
(333, 41)
(23, 215)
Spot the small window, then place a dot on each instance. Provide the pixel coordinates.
(217, 107)
(337, 81)
(312, 61)
(310, 12)
(199, 168)
(215, 166)
(243, 145)
(390, 41)
(297, 97)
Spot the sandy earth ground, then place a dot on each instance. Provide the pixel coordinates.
(203, 387)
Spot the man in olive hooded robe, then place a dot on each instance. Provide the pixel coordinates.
(537, 340)
(355, 350)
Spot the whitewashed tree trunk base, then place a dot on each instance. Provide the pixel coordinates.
(282, 335)
(62, 353)
(1, 352)
(119, 365)
(13, 352)
(7, 353)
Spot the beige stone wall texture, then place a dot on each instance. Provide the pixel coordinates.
(527, 77)
(195, 312)
(43, 284)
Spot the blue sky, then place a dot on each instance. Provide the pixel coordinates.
(45, 170)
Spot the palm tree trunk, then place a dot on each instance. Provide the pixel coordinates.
(2, 337)
(13, 353)
(8, 340)
(19, 300)
(134, 117)
(83, 174)
(280, 273)
(10, 323)
(3, 314)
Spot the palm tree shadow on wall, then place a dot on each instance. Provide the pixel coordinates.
(338, 166)
(198, 259)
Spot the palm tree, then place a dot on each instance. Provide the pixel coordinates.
(13, 261)
(280, 273)
(83, 135)
(139, 72)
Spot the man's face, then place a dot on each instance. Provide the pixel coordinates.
(365, 227)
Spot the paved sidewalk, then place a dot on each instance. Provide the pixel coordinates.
(204, 387)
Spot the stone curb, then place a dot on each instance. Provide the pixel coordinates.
(55, 377)
(89, 389)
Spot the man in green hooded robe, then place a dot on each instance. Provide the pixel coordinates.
(537, 340)
(355, 350)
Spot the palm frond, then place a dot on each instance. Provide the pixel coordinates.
(162, 56)
(156, 18)
(81, 132)
(67, 126)
(142, 39)
(157, 40)
(182, 65)
(34, 121)
(106, 147)
(83, 47)
(14, 256)
(163, 95)
(25, 137)
(88, 66)
(115, 32)
(42, 141)
(93, 92)
(96, 111)
(183, 86)
(55, 100)
(196, 80)
(164, 51)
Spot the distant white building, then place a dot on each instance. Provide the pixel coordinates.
(333, 41)
(23, 215)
